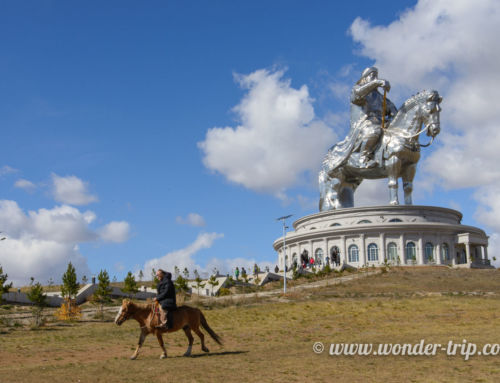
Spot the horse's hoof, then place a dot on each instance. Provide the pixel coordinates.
(187, 354)
(133, 357)
(205, 349)
(163, 356)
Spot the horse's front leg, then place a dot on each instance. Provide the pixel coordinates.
(141, 341)
(408, 175)
(393, 168)
(159, 336)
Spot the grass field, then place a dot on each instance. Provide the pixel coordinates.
(271, 340)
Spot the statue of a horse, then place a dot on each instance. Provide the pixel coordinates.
(396, 155)
(185, 318)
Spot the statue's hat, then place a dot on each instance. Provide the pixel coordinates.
(366, 72)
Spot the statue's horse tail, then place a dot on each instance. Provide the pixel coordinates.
(212, 333)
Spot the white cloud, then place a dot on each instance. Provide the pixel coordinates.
(278, 138)
(452, 46)
(71, 190)
(41, 243)
(24, 184)
(6, 169)
(25, 257)
(117, 231)
(183, 257)
(192, 219)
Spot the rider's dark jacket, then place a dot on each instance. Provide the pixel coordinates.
(166, 293)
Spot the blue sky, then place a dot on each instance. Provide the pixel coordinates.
(144, 134)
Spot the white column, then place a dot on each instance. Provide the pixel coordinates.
(362, 253)
(402, 246)
(325, 250)
(382, 254)
(438, 253)
(420, 252)
(485, 252)
(453, 253)
(467, 252)
(344, 249)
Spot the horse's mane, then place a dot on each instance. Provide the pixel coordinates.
(413, 101)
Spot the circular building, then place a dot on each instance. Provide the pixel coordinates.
(398, 235)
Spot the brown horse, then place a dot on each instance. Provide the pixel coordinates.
(185, 317)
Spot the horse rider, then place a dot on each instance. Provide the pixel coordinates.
(367, 106)
(166, 297)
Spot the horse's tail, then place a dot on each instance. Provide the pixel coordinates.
(212, 333)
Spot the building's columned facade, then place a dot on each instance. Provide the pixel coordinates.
(404, 235)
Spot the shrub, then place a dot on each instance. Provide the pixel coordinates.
(224, 291)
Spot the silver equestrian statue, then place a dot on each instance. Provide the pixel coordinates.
(382, 142)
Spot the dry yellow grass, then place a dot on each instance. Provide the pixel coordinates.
(271, 340)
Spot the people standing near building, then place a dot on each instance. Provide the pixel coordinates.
(237, 273)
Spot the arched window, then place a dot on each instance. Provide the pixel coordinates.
(411, 252)
(353, 253)
(395, 220)
(445, 252)
(392, 252)
(372, 252)
(429, 252)
(335, 224)
(318, 256)
(364, 221)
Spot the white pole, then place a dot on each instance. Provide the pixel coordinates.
(284, 249)
(284, 257)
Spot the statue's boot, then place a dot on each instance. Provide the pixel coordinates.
(367, 150)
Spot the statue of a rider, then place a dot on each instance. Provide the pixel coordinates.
(367, 105)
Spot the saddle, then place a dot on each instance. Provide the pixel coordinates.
(156, 309)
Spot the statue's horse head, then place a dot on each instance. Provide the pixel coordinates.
(431, 110)
(422, 108)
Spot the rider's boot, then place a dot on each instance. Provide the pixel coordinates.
(367, 151)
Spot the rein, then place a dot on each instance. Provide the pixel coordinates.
(409, 137)
(155, 310)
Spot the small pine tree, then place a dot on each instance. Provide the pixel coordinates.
(181, 284)
(141, 275)
(177, 272)
(186, 273)
(50, 282)
(38, 298)
(213, 282)
(244, 275)
(130, 286)
(84, 280)
(102, 292)
(114, 279)
(4, 287)
(198, 281)
(70, 285)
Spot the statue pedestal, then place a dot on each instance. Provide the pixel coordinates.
(403, 235)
